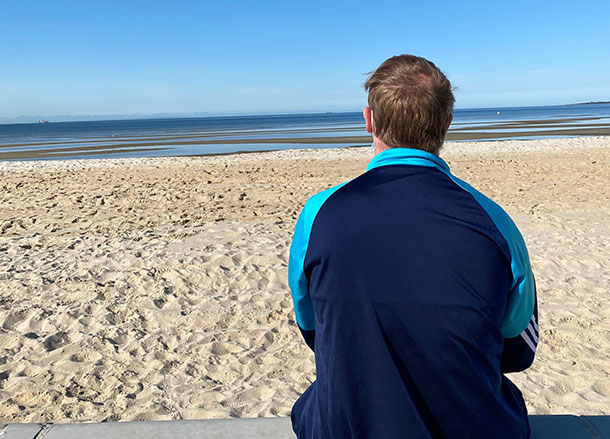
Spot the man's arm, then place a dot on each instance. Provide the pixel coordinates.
(297, 281)
(519, 351)
(299, 286)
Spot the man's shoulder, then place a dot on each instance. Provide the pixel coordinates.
(497, 214)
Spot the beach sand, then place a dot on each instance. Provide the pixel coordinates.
(148, 289)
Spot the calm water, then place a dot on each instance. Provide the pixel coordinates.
(217, 135)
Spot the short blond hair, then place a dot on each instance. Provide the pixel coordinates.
(412, 103)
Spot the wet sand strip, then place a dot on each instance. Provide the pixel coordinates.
(182, 136)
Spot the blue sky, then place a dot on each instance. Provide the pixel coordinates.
(135, 57)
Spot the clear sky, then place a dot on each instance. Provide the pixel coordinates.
(135, 57)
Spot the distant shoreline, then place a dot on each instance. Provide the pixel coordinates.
(588, 103)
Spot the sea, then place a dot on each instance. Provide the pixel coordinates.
(193, 136)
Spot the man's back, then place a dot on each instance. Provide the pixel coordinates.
(408, 278)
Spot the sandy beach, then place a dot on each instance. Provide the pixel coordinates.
(156, 288)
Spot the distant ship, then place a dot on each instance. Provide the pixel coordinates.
(43, 121)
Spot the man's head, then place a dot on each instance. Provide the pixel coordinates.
(411, 103)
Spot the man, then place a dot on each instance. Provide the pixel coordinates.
(413, 289)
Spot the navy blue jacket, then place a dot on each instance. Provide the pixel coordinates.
(416, 293)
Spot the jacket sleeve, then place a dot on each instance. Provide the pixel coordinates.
(297, 280)
(303, 307)
(518, 353)
(521, 296)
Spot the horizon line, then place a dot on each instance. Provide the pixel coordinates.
(208, 114)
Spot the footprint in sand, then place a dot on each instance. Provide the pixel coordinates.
(262, 283)
(13, 320)
(56, 341)
(83, 355)
(246, 397)
(219, 348)
(602, 387)
(160, 302)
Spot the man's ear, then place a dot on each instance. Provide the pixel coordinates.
(368, 119)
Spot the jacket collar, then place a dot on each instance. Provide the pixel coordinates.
(407, 156)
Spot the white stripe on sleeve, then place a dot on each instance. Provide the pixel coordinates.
(528, 341)
(532, 333)
(535, 324)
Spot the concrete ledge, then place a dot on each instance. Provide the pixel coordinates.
(255, 428)
(570, 427)
(543, 427)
